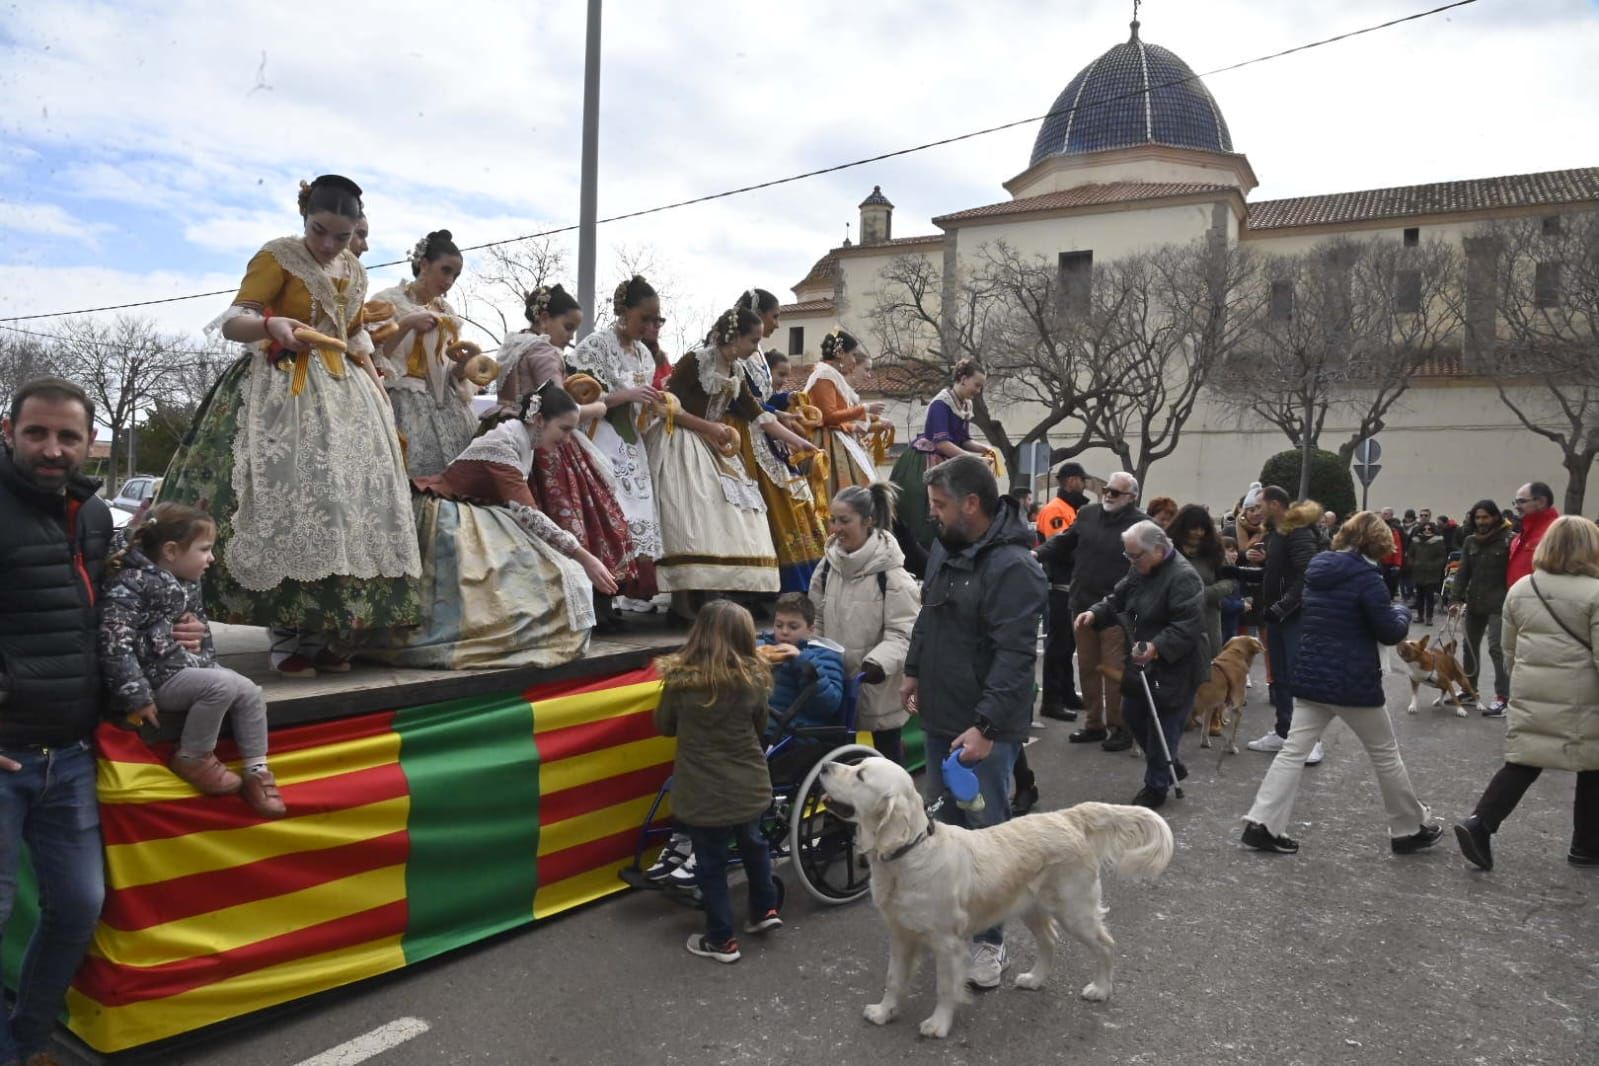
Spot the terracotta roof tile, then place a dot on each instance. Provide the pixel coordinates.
(808, 307)
(822, 272)
(1516, 190)
(1113, 192)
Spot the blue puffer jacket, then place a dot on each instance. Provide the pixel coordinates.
(1346, 613)
(788, 678)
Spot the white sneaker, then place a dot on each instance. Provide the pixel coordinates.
(988, 962)
(683, 876)
(677, 851)
(1270, 742)
(1316, 755)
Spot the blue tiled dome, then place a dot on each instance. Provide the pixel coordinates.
(1136, 93)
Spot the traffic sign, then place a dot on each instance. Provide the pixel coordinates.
(1367, 472)
(1368, 452)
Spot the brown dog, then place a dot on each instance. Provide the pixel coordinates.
(1223, 695)
(1435, 666)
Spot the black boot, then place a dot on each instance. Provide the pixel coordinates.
(1475, 842)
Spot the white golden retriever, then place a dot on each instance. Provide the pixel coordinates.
(937, 885)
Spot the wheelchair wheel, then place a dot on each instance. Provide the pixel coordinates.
(821, 844)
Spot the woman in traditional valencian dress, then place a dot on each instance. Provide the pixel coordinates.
(294, 452)
(713, 520)
(946, 433)
(424, 365)
(502, 584)
(571, 483)
(619, 361)
(844, 416)
(798, 535)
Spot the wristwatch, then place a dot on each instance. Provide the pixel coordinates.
(986, 729)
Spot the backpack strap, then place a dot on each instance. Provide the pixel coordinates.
(1561, 622)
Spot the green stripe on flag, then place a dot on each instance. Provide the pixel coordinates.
(473, 772)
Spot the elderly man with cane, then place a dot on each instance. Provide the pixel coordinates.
(1161, 604)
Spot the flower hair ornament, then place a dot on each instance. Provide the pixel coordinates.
(725, 331)
(754, 297)
(538, 302)
(304, 197)
(417, 253)
(531, 404)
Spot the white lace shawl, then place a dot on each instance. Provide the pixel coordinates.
(512, 444)
(614, 365)
(760, 375)
(721, 387)
(829, 373)
(435, 342)
(962, 408)
(512, 349)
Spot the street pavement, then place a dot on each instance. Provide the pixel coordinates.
(1344, 953)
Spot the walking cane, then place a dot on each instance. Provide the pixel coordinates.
(1160, 731)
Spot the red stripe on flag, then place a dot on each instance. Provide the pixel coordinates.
(121, 745)
(184, 897)
(595, 795)
(569, 862)
(551, 689)
(135, 823)
(117, 986)
(589, 737)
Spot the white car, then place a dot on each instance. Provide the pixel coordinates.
(134, 492)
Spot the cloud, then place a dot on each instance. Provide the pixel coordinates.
(48, 220)
(161, 119)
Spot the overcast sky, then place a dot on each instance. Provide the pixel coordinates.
(148, 148)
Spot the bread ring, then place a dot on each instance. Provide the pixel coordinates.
(307, 335)
(376, 311)
(461, 351)
(729, 446)
(776, 653)
(383, 331)
(583, 388)
(481, 370)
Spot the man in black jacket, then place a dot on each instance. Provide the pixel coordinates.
(1060, 700)
(1162, 601)
(1479, 589)
(54, 532)
(1292, 542)
(1092, 547)
(969, 671)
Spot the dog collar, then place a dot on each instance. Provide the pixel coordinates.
(905, 849)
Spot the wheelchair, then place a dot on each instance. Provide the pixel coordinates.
(797, 826)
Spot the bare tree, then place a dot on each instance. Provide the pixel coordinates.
(23, 358)
(495, 290)
(1173, 315)
(1341, 327)
(124, 366)
(1544, 275)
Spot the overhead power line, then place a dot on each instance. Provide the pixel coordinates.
(835, 168)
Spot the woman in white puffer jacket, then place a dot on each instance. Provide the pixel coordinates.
(867, 602)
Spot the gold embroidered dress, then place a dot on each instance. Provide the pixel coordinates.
(295, 456)
(798, 534)
(432, 406)
(849, 463)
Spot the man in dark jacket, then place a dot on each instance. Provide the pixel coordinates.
(1092, 547)
(54, 532)
(1060, 699)
(969, 672)
(1479, 589)
(1162, 602)
(1292, 542)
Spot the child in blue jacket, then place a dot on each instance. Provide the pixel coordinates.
(794, 625)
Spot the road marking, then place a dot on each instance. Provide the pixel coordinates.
(370, 1045)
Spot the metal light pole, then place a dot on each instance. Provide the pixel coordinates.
(588, 209)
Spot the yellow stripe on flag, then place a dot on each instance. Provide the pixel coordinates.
(137, 782)
(570, 832)
(111, 1029)
(130, 865)
(585, 769)
(234, 927)
(582, 708)
(579, 889)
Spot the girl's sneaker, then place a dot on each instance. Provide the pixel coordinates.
(765, 923)
(206, 774)
(699, 944)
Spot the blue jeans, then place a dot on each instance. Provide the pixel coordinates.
(712, 847)
(50, 805)
(1135, 713)
(1282, 644)
(994, 784)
